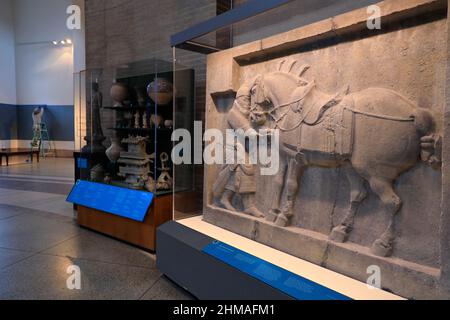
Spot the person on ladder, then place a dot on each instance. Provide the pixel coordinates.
(37, 121)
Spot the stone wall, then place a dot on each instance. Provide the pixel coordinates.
(123, 31)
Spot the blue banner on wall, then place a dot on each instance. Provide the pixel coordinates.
(131, 204)
(292, 284)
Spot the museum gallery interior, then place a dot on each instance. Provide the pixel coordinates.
(224, 150)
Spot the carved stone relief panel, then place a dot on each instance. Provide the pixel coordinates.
(360, 121)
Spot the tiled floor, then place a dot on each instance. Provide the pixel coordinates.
(39, 241)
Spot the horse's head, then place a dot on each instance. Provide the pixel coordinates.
(271, 90)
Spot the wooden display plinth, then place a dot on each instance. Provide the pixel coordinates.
(142, 234)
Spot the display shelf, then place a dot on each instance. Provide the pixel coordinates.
(136, 123)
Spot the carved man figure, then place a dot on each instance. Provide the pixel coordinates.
(238, 179)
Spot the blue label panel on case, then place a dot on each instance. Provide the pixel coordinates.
(131, 204)
(292, 284)
(82, 163)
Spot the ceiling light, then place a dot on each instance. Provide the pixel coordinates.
(63, 42)
(68, 41)
(55, 42)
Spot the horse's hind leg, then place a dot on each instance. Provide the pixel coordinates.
(385, 190)
(358, 193)
(295, 170)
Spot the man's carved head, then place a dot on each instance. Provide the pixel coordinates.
(258, 102)
(258, 93)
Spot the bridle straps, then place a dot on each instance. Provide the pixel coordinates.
(271, 112)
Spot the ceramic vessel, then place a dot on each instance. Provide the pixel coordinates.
(119, 92)
(168, 123)
(113, 152)
(160, 91)
(156, 120)
(97, 173)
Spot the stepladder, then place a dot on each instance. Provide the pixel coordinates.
(41, 140)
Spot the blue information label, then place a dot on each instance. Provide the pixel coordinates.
(292, 284)
(82, 163)
(131, 204)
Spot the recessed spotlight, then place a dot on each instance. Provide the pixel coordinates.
(55, 42)
(63, 42)
(68, 41)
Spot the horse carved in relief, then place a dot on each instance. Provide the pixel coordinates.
(375, 134)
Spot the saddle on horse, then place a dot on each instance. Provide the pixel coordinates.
(322, 123)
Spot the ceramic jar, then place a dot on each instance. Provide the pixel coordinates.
(160, 91)
(119, 92)
(113, 152)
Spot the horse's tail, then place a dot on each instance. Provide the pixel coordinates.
(430, 142)
(424, 121)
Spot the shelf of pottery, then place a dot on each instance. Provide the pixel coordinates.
(142, 124)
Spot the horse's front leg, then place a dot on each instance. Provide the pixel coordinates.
(276, 193)
(294, 173)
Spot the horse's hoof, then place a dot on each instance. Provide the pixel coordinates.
(381, 248)
(339, 234)
(272, 216)
(282, 221)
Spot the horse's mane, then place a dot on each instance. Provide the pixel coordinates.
(292, 67)
(288, 76)
(291, 70)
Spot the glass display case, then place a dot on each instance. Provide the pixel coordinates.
(125, 123)
(188, 141)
